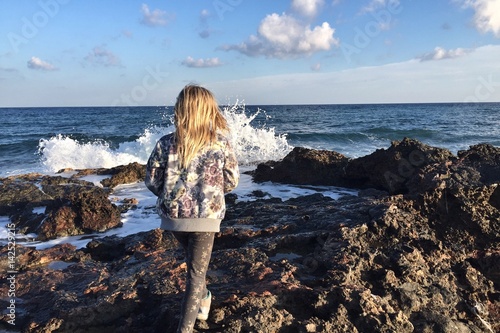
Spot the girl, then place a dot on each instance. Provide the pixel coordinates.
(189, 171)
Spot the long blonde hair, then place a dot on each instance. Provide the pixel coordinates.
(197, 121)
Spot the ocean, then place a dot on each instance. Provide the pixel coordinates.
(46, 140)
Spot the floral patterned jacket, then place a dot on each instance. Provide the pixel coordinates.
(192, 199)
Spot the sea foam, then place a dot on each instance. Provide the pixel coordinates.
(252, 145)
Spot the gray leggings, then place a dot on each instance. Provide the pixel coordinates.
(198, 249)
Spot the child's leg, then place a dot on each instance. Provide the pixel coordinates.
(198, 248)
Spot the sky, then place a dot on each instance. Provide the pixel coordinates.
(256, 52)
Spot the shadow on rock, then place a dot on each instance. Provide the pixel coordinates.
(418, 254)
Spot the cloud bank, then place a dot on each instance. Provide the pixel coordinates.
(474, 77)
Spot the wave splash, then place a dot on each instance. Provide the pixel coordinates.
(252, 145)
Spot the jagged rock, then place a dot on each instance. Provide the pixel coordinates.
(77, 208)
(126, 174)
(55, 207)
(122, 174)
(425, 260)
(484, 158)
(305, 166)
(391, 169)
(16, 193)
(358, 263)
(388, 170)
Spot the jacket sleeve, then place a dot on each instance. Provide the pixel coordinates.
(155, 168)
(231, 169)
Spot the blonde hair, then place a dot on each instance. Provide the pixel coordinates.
(197, 121)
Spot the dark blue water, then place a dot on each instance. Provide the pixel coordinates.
(353, 130)
(358, 130)
(21, 129)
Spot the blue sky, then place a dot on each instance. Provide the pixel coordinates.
(116, 52)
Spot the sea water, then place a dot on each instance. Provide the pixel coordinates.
(46, 140)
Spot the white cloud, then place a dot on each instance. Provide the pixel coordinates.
(377, 4)
(307, 8)
(100, 56)
(283, 36)
(487, 17)
(201, 63)
(439, 54)
(153, 18)
(37, 63)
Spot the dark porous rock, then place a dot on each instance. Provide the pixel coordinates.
(122, 174)
(125, 174)
(464, 215)
(484, 158)
(30, 258)
(114, 248)
(461, 197)
(57, 206)
(78, 208)
(357, 264)
(422, 258)
(16, 193)
(304, 166)
(388, 170)
(134, 292)
(391, 169)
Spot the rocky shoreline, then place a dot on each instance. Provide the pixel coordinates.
(417, 250)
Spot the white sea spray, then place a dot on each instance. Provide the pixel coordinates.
(252, 145)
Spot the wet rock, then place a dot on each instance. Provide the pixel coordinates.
(77, 209)
(30, 258)
(57, 206)
(276, 270)
(386, 169)
(17, 193)
(305, 166)
(127, 174)
(122, 174)
(423, 260)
